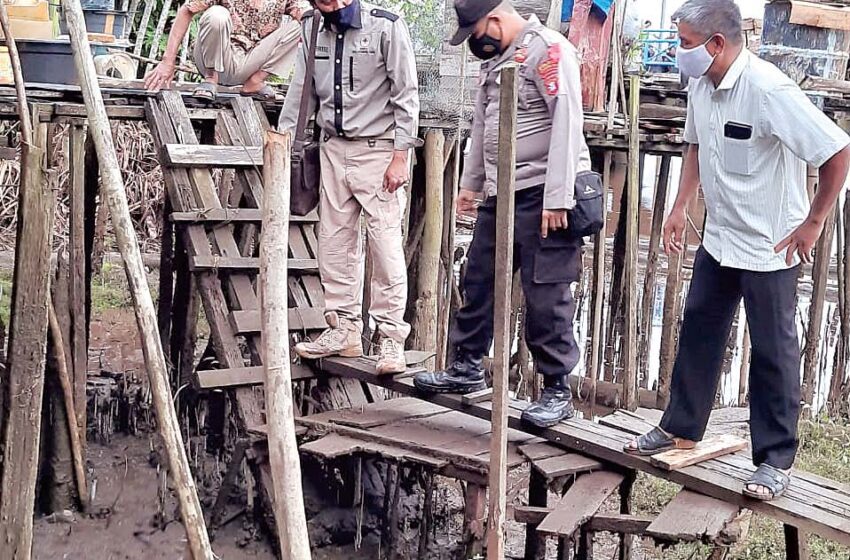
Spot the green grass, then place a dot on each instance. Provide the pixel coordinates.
(5, 296)
(824, 450)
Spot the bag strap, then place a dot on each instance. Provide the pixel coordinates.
(308, 88)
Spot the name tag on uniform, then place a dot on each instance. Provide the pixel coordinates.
(364, 45)
(323, 52)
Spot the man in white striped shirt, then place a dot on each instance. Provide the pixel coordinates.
(751, 131)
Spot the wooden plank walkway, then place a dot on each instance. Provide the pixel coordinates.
(813, 504)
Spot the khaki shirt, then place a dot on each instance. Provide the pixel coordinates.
(365, 80)
(551, 149)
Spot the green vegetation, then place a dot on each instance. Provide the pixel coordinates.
(824, 450)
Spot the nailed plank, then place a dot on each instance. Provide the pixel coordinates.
(692, 517)
(540, 450)
(244, 376)
(227, 215)
(566, 465)
(189, 155)
(709, 448)
(580, 503)
(249, 264)
(309, 319)
(478, 396)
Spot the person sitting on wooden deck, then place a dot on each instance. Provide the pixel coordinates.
(552, 162)
(239, 43)
(366, 99)
(751, 132)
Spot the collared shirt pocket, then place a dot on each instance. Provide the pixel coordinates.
(738, 148)
(362, 60)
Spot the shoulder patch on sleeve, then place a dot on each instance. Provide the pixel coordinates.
(377, 12)
(549, 69)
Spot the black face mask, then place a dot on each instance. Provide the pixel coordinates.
(485, 47)
(344, 17)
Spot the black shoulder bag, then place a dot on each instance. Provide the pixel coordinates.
(306, 170)
(589, 213)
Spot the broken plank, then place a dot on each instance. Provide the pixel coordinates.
(244, 376)
(483, 395)
(709, 448)
(580, 503)
(540, 450)
(692, 517)
(193, 155)
(566, 465)
(207, 262)
(309, 319)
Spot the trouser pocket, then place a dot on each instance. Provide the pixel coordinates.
(557, 259)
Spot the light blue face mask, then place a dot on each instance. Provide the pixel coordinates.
(695, 62)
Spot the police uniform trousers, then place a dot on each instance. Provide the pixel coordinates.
(351, 187)
(770, 300)
(214, 51)
(547, 268)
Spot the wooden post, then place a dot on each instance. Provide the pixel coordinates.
(474, 516)
(630, 266)
(502, 313)
(116, 201)
(143, 26)
(796, 544)
(153, 53)
(425, 319)
(744, 373)
(553, 20)
(538, 495)
(648, 298)
(597, 316)
(283, 447)
(670, 324)
(78, 287)
(68, 396)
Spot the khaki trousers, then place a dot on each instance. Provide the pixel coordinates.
(352, 186)
(214, 51)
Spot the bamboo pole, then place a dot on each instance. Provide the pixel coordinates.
(70, 409)
(630, 349)
(143, 26)
(502, 314)
(648, 298)
(283, 447)
(116, 201)
(597, 317)
(153, 53)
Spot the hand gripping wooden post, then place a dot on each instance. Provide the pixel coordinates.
(283, 448)
(502, 314)
(116, 201)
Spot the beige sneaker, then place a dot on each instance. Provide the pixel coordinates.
(391, 358)
(341, 339)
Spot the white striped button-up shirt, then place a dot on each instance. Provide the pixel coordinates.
(756, 131)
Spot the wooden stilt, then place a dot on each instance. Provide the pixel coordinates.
(116, 200)
(78, 288)
(502, 333)
(474, 517)
(166, 282)
(538, 496)
(744, 373)
(283, 447)
(630, 266)
(626, 487)
(597, 314)
(796, 544)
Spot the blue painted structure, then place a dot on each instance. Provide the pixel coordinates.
(603, 6)
(659, 48)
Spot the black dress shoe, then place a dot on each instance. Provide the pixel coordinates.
(553, 406)
(464, 376)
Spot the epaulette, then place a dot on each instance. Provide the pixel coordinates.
(378, 12)
(307, 14)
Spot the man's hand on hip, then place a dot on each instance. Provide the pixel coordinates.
(467, 203)
(801, 241)
(553, 220)
(674, 232)
(160, 77)
(398, 172)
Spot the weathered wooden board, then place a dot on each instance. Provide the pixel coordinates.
(244, 376)
(608, 522)
(709, 448)
(188, 155)
(478, 396)
(381, 413)
(820, 15)
(692, 517)
(247, 264)
(227, 215)
(580, 503)
(540, 450)
(566, 465)
(310, 319)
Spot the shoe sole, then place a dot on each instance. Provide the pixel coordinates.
(351, 353)
(537, 424)
(436, 390)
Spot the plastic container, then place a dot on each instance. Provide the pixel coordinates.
(52, 61)
(109, 22)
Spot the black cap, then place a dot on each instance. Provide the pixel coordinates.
(468, 14)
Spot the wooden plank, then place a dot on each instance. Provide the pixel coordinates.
(227, 215)
(808, 504)
(310, 319)
(506, 175)
(187, 155)
(692, 517)
(246, 264)
(540, 450)
(607, 522)
(244, 376)
(566, 465)
(630, 265)
(77, 286)
(580, 503)
(628, 422)
(709, 448)
(478, 396)
(820, 15)
(381, 413)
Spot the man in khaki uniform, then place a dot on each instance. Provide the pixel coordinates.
(366, 93)
(239, 43)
